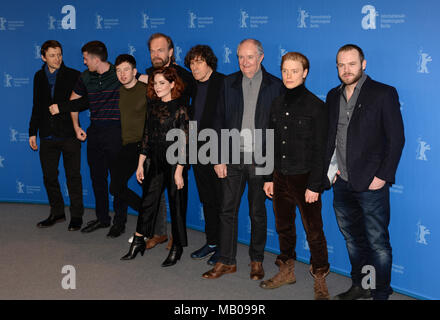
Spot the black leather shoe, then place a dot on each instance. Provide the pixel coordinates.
(354, 293)
(49, 222)
(137, 245)
(75, 224)
(174, 255)
(116, 230)
(94, 225)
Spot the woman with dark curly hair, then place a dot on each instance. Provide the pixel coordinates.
(154, 172)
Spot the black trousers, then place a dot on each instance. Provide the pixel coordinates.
(238, 175)
(125, 166)
(155, 182)
(103, 146)
(209, 188)
(50, 153)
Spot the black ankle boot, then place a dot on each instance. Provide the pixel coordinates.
(173, 256)
(137, 245)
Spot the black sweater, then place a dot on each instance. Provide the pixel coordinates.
(42, 121)
(299, 119)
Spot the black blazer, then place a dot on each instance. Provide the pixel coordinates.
(375, 136)
(231, 104)
(300, 126)
(42, 121)
(209, 111)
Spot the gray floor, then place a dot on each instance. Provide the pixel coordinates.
(32, 260)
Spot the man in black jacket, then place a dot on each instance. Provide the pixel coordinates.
(54, 84)
(244, 106)
(365, 142)
(203, 64)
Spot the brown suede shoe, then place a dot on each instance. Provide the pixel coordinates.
(285, 276)
(257, 271)
(151, 243)
(219, 270)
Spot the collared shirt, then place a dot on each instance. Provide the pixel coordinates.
(251, 88)
(346, 109)
(102, 91)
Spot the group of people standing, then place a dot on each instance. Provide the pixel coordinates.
(352, 142)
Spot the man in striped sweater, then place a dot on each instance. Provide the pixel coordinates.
(98, 90)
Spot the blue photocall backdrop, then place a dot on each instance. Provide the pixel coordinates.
(400, 40)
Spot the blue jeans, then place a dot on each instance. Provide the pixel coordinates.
(363, 219)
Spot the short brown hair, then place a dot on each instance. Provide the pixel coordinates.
(296, 56)
(97, 48)
(167, 38)
(349, 47)
(50, 44)
(170, 74)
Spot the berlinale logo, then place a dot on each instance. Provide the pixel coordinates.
(302, 15)
(243, 17)
(226, 53)
(421, 149)
(422, 63)
(422, 232)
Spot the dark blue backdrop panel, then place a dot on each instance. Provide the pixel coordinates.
(401, 46)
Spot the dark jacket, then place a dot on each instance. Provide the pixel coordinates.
(42, 121)
(299, 120)
(375, 136)
(212, 97)
(231, 104)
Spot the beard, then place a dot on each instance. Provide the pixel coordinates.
(355, 79)
(159, 62)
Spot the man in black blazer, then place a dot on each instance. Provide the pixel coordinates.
(202, 62)
(54, 84)
(244, 106)
(365, 143)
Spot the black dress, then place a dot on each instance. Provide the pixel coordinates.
(159, 173)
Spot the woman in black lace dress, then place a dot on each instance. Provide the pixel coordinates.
(165, 112)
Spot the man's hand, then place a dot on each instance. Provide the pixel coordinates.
(33, 143)
(80, 134)
(221, 170)
(268, 189)
(311, 196)
(376, 184)
(53, 109)
(143, 78)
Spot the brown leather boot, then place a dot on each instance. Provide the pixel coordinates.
(320, 286)
(286, 275)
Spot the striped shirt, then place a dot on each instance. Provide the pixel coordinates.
(102, 91)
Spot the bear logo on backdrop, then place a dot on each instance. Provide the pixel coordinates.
(422, 63)
(302, 15)
(243, 17)
(226, 53)
(1, 162)
(145, 19)
(422, 232)
(421, 149)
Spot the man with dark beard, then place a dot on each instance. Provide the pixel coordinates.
(161, 49)
(365, 142)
